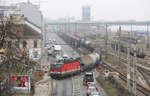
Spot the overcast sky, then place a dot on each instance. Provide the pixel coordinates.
(100, 9)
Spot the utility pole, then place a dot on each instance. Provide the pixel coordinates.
(106, 38)
(76, 33)
(134, 72)
(116, 49)
(119, 46)
(128, 62)
(75, 28)
(134, 67)
(148, 57)
(39, 4)
(69, 25)
(128, 69)
(147, 36)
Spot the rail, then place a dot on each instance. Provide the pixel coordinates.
(124, 78)
(76, 86)
(145, 73)
(138, 64)
(140, 88)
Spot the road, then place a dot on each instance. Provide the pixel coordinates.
(43, 88)
(65, 87)
(66, 48)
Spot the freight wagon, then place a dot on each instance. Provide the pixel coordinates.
(139, 51)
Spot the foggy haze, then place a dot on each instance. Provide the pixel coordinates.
(100, 9)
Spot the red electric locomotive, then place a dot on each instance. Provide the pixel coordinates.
(59, 71)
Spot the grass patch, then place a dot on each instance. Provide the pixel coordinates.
(109, 88)
(22, 95)
(37, 77)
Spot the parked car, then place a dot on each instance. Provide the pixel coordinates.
(88, 77)
(50, 51)
(92, 84)
(96, 93)
(59, 58)
(65, 56)
(90, 90)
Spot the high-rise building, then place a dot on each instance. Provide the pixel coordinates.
(86, 13)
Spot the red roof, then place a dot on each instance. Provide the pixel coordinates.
(23, 32)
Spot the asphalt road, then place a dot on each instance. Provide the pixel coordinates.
(72, 53)
(64, 87)
(66, 48)
(83, 88)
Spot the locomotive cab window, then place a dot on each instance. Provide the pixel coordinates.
(58, 66)
(52, 66)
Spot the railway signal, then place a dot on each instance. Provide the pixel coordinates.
(101, 62)
(106, 72)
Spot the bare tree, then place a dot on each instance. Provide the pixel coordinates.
(12, 63)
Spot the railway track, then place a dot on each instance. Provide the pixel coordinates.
(76, 86)
(140, 88)
(146, 74)
(138, 64)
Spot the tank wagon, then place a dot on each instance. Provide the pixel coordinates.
(74, 67)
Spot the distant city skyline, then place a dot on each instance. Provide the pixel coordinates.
(110, 10)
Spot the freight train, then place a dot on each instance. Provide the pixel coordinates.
(139, 52)
(74, 67)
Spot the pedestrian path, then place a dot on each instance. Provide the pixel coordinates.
(43, 87)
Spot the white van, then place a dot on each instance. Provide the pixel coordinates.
(65, 56)
(50, 51)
